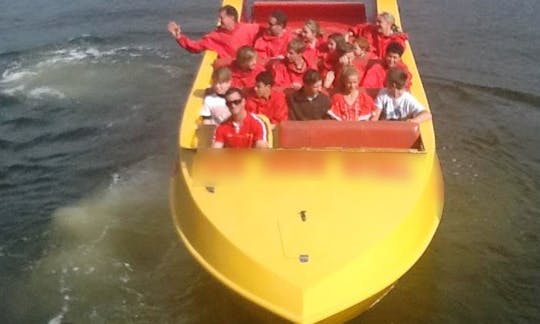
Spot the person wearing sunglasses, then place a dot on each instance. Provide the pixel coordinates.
(242, 129)
(272, 44)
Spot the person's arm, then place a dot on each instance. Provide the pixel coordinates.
(335, 107)
(217, 145)
(190, 45)
(376, 114)
(423, 116)
(261, 144)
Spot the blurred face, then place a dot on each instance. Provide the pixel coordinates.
(358, 51)
(249, 65)
(351, 83)
(292, 56)
(221, 87)
(393, 91)
(313, 89)
(332, 45)
(307, 34)
(262, 90)
(225, 21)
(392, 59)
(235, 103)
(273, 27)
(383, 26)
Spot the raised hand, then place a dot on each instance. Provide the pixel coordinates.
(174, 29)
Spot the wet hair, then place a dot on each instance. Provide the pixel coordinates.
(396, 48)
(344, 48)
(362, 42)
(297, 45)
(245, 54)
(396, 76)
(313, 26)
(337, 37)
(281, 17)
(221, 74)
(311, 77)
(230, 11)
(265, 78)
(389, 18)
(235, 90)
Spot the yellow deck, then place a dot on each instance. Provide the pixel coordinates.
(368, 215)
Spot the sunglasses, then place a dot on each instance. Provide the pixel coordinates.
(230, 103)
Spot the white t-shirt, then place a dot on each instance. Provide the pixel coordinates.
(404, 107)
(215, 108)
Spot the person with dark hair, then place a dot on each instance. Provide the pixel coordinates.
(225, 40)
(272, 43)
(309, 103)
(394, 102)
(376, 74)
(289, 71)
(380, 34)
(242, 129)
(264, 99)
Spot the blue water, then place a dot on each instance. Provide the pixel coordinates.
(90, 96)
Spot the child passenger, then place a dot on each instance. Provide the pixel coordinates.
(351, 103)
(396, 103)
(376, 74)
(214, 110)
(244, 68)
(288, 73)
(266, 100)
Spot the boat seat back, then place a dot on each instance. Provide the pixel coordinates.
(348, 134)
(344, 14)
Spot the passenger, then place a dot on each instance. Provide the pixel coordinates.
(345, 54)
(363, 58)
(214, 110)
(312, 36)
(380, 35)
(288, 73)
(242, 129)
(396, 103)
(226, 39)
(309, 103)
(351, 103)
(264, 99)
(330, 57)
(245, 68)
(272, 44)
(376, 74)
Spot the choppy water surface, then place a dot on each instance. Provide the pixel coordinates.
(89, 101)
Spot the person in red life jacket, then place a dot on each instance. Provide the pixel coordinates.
(264, 99)
(330, 57)
(345, 55)
(309, 103)
(312, 36)
(245, 68)
(363, 58)
(243, 129)
(394, 102)
(214, 110)
(376, 74)
(225, 40)
(288, 73)
(351, 103)
(380, 35)
(272, 43)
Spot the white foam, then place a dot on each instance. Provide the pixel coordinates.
(11, 76)
(43, 92)
(13, 91)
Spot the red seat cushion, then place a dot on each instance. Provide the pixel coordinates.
(348, 134)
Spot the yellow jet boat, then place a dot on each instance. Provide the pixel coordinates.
(309, 230)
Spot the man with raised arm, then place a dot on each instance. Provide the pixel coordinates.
(225, 40)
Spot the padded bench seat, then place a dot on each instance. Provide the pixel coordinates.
(349, 134)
